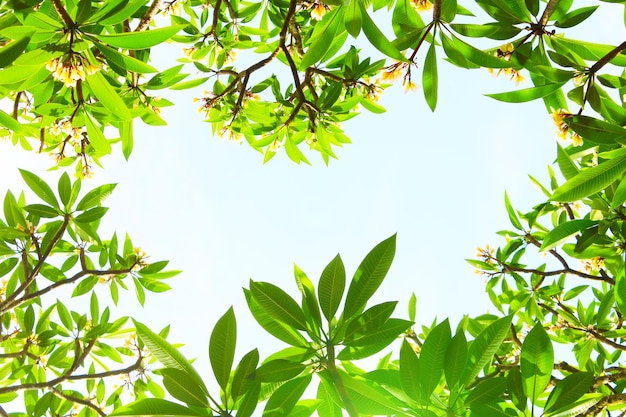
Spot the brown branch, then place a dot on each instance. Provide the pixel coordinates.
(69, 23)
(606, 58)
(564, 366)
(8, 302)
(514, 336)
(134, 367)
(508, 268)
(147, 17)
(77, 400)
(547, 12)
(436, 10)
(607, 401)
(16, 104)
(427, 30)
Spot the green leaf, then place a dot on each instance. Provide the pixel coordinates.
(278, 370)
(369, 275)
(39, 187)
(378, 38)
(383, 334)
(274, 327)
(9, 122)
(536, 361)
(109, 98)
(331, 287)
(484, 346)
(65, 189)
(481, 58)
(182, 387)
(515, 386)
(167, 354)
(12, 50)
(526, 94)
(155, 407)
(278, 304)
(564, 231)
(241, 378)
(410, 371)
(140, 40)
(487, 390)
(41, 210)
(568, 390)
(352, 18)
(619, 196)
(596, 131)
(448, 10)
(222, 347)
(369, 399)
(96, 137)
(620, 292)
(566, 164)
(512, 214)
(322, 38)
(592, 180)
(429, 77)
(125, 61)
(286, 396)
(95, 197)
(432, 357)
(575, 17)
(456, 359)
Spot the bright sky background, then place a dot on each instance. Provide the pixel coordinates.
(216, 212)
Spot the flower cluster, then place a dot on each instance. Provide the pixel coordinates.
(207, 99)
(421, 5)
(399, 70)
(140, 258)
(593, 264)
(564, 132)
(505, 53)
(486, 253)
(70, 70)
(227, 133)
(318, 10)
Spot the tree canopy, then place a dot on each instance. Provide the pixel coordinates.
(76, 75)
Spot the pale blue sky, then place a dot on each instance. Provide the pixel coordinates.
(215, 211)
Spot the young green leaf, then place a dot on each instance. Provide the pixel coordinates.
(455, 359)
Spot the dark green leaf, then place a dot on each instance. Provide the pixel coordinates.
(331, 287)
(369, 276)
(222, 347)
(536, 362)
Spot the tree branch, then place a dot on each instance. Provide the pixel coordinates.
(69, 23)
(77, 400)
(147, 17)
